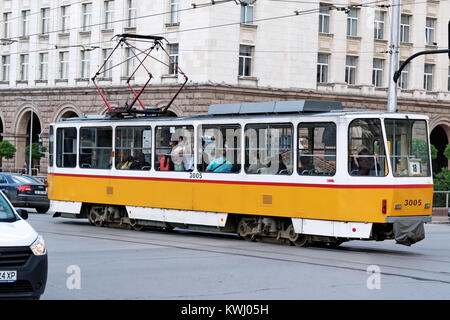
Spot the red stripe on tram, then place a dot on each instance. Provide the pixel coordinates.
(277, 184)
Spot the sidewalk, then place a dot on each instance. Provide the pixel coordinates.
(440, 220)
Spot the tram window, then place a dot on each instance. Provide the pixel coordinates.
(133, 148)
(408, 142)
(269, 149)
(174, 148)
(95, 147)
(367, 155)
(51, 138)
(219, 148)
(317, 148)
(66, 147)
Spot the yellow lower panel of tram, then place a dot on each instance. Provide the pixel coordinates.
(326, 202)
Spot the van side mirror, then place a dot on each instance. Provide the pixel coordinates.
(22, 213)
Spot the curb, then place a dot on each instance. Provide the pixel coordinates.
(440, 220)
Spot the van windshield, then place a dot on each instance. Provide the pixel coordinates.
(6, 212)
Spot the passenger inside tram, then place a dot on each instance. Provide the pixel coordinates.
(364, 164)
(220, 164)
(305, 165)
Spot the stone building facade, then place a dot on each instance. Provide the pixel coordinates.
(265, 52)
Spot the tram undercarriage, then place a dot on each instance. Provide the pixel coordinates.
(251, 228)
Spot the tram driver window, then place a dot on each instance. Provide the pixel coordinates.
(317, 148)
(95, 147)
(133, 148)
(268, 149)
(66, 147)
(367, 155)
(219, 148)
(174, 148)
(51, 139)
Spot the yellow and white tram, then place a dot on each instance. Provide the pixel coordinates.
(296, 171)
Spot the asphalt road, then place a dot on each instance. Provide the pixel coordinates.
(87, 262)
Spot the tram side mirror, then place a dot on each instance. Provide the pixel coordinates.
(22, 213)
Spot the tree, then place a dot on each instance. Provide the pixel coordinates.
(35, 154)
(447, 151)
(420, 149)
(7, 150)
(441, 182)
(434, 152)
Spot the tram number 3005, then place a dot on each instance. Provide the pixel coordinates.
(411, 203)
(195, 175)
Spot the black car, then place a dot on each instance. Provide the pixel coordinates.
(25, 191)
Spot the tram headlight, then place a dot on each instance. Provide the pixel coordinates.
(38, 247)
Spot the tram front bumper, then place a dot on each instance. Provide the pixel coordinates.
(408, 230)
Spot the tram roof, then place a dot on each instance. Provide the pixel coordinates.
(272, 109)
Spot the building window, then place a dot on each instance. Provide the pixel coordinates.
(350, 69)
(85, 64)
(6, 29)
(428, 77)
(377, 73)
(87, 16)
(63, 64)
(45, 19)
(43, 66)
(173, 61)
(129, 64)
(379, 25)
(65, 19)
(324, 18)
(322, 68)
(5, 68)
(25, 23)
(109, 15)
(23, 67)
(245, 61)
(247, 14)
(174, 18)
(352, 23)
(131, 14)
(403, 81)
(107, 64)
(404, 28)
(429, 31)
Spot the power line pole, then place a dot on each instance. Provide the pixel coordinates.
(393, 55)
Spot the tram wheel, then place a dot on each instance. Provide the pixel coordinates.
(94, 216)
(302, 241)
(135, 226)
(245, 230)
(299, 240)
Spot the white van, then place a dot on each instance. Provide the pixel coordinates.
(23, 255)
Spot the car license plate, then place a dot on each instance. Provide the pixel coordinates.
(40, 192)
(8, 276)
